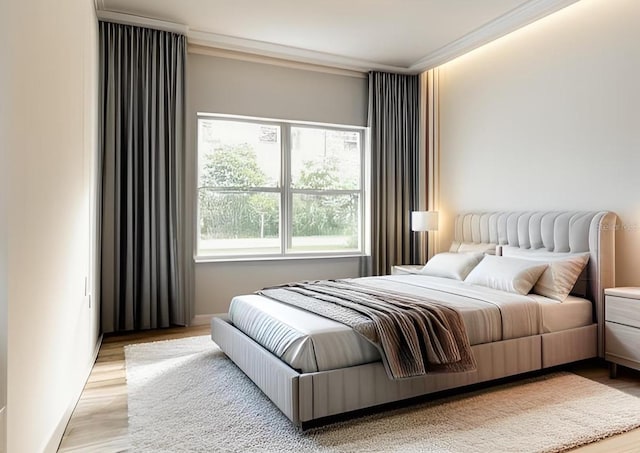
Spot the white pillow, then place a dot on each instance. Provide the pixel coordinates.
(471, 247)
(506, 274)
(557, 281)
(451, 265)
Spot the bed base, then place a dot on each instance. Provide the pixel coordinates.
(304, 397)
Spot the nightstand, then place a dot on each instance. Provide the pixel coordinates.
(622, 328)
(406, 269)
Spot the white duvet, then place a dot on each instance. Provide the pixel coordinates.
(309, 342)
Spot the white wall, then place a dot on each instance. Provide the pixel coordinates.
(49, 129)
(4, 115)
(220, 85)
(547, 118)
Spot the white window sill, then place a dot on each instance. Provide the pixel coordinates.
(201, 260)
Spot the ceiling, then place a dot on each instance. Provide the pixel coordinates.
(406, 36)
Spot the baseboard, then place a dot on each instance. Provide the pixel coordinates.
(3, 429)
(201, 320)
(56, 438)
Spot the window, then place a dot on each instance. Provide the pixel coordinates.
(269, 188)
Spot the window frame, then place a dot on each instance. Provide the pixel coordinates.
(286, 192)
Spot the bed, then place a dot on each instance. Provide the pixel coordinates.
(312, 367)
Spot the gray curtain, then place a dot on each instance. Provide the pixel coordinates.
(142, 158)
(394, 124)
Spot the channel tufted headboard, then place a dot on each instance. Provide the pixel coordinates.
(556, 232)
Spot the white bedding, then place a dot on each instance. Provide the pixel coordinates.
(310, 343)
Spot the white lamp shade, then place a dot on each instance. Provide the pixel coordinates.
(424, 220)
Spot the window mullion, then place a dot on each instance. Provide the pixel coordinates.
(363, 194)
(287, 224)
(327, 191)
(240, 189)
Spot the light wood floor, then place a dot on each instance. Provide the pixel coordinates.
(99, 422)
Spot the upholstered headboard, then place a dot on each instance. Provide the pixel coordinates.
(557, 232)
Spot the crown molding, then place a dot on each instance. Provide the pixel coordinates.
(129, 19)
(250, 46)
(252, 50)
(519, 17)
(265, 52)
(197, 49)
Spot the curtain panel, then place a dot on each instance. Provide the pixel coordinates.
(395, 177)
(142, 92)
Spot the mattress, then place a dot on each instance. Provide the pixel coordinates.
(310, 343)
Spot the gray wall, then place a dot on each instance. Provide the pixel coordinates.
(547, 118)
(48, 92)
(220, 85)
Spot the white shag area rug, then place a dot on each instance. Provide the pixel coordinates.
(186, 396)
